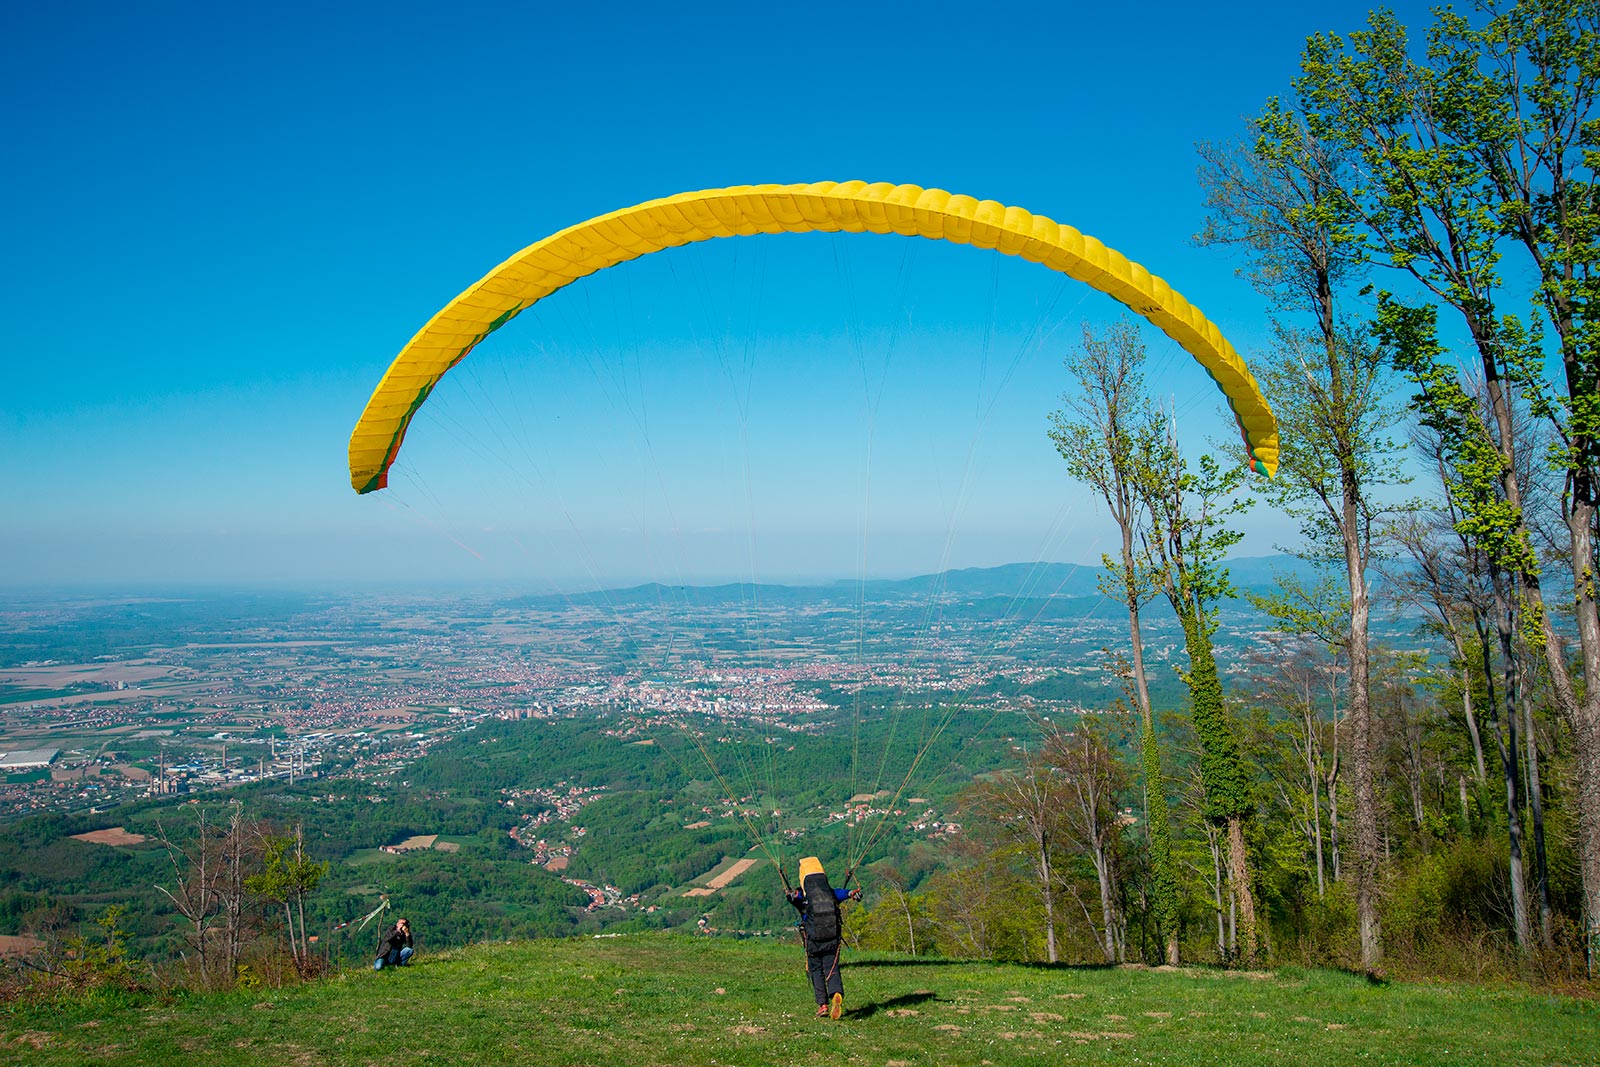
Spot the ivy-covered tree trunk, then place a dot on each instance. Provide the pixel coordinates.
(1158, 819)
(1227, 780)
(1158, 830)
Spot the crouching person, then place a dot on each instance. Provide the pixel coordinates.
(396, 947)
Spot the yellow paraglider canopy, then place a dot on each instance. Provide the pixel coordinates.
(743, 210)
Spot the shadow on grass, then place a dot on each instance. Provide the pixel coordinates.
(1035, 965)
(939, 961)
(906, 1000)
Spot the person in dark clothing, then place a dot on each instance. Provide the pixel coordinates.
(396, 947)
(821, 930)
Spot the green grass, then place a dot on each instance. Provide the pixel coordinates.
(11, 694)
(365, 857)
(657, 999)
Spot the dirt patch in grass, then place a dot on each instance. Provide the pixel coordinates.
(417, 843)
(117, 835)
(18, 945)
(722, 880)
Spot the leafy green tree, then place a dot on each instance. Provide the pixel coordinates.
(1482, 146)
(983, 910)
(287, 876)
(897, 921)
(103, 961)
(1279, 198)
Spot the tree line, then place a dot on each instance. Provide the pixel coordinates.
(1422, 215)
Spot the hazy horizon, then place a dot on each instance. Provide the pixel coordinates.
(759, 408)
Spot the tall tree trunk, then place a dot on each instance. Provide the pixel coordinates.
(1505, 722)
(1219, 879)
(1541, 865)
(1108, 915)
(1227, 779)
(1361, 741)
(233, 904)
(1314, 772)
(1164, 876)
(1244, 898)
(1333, 814)
(1047, 888)
(1584, 714)
(305, 945)
(288, 922)
(1472, 720)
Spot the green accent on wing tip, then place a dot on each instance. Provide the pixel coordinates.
(503, 318)
(393, 450)
(405, 420)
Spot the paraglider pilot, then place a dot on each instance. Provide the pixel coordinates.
(820, 929)
(395, 948)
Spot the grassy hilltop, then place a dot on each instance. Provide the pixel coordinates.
(635, 1001)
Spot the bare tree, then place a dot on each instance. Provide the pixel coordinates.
(208, 889)
(197, 874)
(1026, 805)
(1091, 780)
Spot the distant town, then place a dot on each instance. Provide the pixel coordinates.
(359, 687)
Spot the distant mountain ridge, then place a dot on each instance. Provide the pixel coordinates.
(1010, 581)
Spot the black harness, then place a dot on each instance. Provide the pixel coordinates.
(821, 913)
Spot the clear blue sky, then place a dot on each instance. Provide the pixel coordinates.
(222, 222)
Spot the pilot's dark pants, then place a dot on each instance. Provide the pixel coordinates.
(822, 964)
